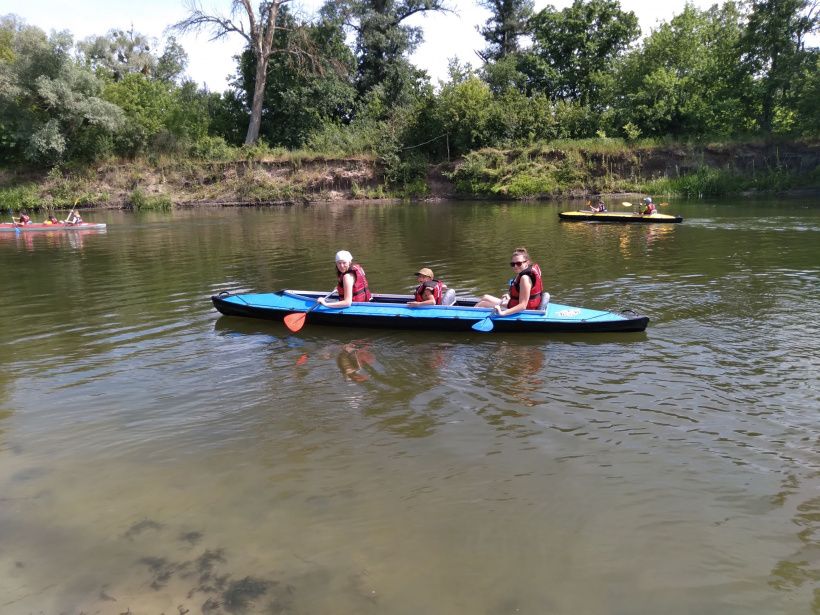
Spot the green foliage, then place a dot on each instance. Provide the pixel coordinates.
(508, 21)
(711, 182)
(24, 196)
(119, 53)
(577, 46)
(463, 111)
(301, 96)
(773, 54)
(138, 200)
(51, 108)
(384, 42)
(159, 115)
(683, 80)
(212, 148)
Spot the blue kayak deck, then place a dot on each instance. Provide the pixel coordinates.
(391, 311)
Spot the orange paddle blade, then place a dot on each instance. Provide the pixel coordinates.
(294, 322)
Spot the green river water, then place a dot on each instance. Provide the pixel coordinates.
(156, 457)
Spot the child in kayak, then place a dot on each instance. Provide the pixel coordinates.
(429, 291)
(649, 207)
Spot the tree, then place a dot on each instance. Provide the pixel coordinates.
(300, 100)
(683, 80)
(509, 20)
(774, 53)
(574, 49)
(258, 29)
(51, 108)
(124, 52)
(119, 53)
(383, 43)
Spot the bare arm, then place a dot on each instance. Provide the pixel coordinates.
(523, 298)
(347, 298)
(429, 299)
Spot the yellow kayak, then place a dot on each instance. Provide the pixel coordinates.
(618, 216)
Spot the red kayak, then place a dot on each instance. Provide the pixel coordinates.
(8, 227)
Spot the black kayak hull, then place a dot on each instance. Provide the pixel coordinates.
(390, 312)
(618, 216)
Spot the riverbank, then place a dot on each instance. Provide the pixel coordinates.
(573, 169)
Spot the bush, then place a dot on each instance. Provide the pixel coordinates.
(25, 196)
(139, 200)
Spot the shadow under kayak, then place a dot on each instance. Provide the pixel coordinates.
(392, 312)
(618, 216)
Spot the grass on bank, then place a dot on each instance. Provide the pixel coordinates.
(261, 174)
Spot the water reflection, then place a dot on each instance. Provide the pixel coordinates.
(352, 360)
(211, 463)
(46, 240)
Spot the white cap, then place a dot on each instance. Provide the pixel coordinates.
(344, 255)
(648, 199)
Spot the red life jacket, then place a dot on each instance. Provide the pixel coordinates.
(361, 292)
(534, 271)
(436, 286)
(650, 209)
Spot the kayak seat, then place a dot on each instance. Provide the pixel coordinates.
(449, 297)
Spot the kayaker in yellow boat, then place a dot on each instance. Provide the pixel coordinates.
(649, 207)
(599, 207)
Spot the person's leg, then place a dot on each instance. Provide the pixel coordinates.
(488, 301)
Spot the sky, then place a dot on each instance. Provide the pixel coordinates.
(211, 63)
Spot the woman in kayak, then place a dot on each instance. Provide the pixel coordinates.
(352, 286)
(599, 207)
(525, 288)
(649, 207)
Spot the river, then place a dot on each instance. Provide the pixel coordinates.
(158, 458)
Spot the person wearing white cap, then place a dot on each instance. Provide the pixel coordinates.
(352, 285)
(650, 207)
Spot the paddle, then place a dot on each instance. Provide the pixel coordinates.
(296, 321)
(485, 325)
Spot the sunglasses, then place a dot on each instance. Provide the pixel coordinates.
(516, 263)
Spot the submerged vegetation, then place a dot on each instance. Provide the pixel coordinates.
(702, 105)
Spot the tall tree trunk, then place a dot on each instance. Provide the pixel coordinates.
(258, 99)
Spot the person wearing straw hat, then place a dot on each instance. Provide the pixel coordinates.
(429, 291)
(352, 286)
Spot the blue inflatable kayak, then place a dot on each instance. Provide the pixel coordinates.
(391, 311)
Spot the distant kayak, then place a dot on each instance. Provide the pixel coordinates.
(8, 227)
(618, 216)
(392, 311)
